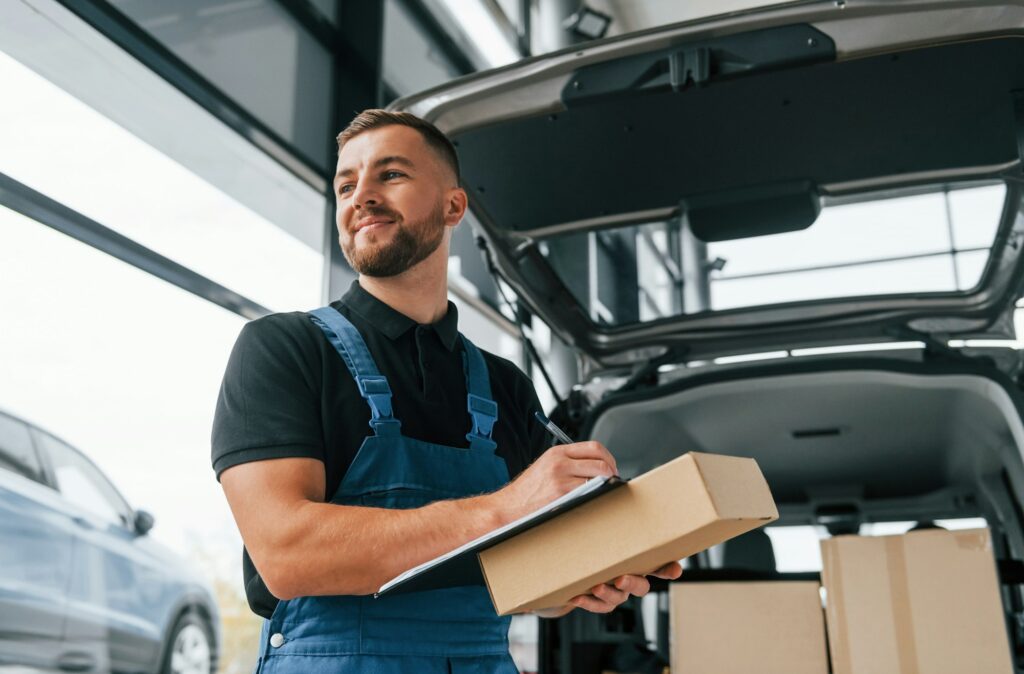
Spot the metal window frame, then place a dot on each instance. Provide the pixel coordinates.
(341, 42)
(126, 34)
(315, 23)
(42, 209)
(355, 44)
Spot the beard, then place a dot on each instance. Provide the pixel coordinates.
(410, 244)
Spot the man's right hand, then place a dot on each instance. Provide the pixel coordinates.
(305, 546)
(558, 471)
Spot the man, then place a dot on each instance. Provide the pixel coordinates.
(340, 437)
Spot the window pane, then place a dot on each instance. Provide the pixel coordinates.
(962, 523)
(65, 149)
(16, 451)
(841, 234)
(80, 483)
(905, 276)
(877, 245)
(483, 332)
(411, 61)
(797, 548)
(970, 267)
(123, 366)
(975, 215)
(257, 54)
(885, 528)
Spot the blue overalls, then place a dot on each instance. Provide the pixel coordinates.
(449, 630)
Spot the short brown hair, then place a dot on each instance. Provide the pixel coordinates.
(375, 118)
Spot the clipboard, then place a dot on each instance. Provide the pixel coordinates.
(461, 567)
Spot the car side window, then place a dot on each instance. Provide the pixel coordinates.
(81, 483)
(16, 451)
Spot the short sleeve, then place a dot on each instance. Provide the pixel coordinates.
(269, 401)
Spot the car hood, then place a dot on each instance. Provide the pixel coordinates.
(737, 126)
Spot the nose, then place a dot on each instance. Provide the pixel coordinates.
(365, 194)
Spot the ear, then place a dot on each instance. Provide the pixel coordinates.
(455, 205)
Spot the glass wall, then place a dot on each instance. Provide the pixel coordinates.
(109, 374)
(61, 147)
(117, 369)
(257, 54)
(125, 368)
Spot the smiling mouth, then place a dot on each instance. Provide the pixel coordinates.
(373, 225)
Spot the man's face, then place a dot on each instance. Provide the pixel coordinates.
(393, 200)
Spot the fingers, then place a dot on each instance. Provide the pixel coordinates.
(589, 468)
(591, 450)
(592, 604)
(670, 571)
(609, 593)
(605, 597)
(637, 586)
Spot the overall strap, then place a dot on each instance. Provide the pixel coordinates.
(373, 386)
(482, 408)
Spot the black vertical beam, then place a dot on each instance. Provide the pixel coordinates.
(525, 28)
(358, 77)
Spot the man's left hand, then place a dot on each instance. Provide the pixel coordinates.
(604, 598)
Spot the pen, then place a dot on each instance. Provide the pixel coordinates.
(552, 429)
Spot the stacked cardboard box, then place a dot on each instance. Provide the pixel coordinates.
(764, 627)
(927, 602)
(924, 603)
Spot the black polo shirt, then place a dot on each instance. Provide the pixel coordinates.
(287, 393)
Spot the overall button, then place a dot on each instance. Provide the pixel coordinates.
(277, 640)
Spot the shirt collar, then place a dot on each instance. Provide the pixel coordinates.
(394, 323)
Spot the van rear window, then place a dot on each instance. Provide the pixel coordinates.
(932, 239)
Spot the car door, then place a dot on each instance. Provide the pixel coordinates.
(112, 614)
(35, 555)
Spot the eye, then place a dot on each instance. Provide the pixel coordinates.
(345, 188)
(388, 175)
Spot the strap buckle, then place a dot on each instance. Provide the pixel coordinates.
(377, 392)
(386, 426)
(373, 385)
(484, 413)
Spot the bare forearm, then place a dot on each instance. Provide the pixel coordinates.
(303, 546)
(343, 550)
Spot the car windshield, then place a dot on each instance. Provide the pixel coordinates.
(929, 240)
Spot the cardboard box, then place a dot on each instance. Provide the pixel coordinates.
(742, 627)
(924, 603)
(676, 510)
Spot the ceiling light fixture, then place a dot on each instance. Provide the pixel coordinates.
(588, 23)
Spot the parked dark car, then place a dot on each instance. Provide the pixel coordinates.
(82, 586)
(795, 234)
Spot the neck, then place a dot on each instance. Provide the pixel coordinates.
(420, 292)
